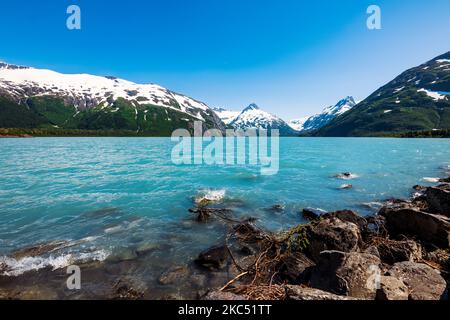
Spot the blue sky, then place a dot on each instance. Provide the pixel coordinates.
(291, 57)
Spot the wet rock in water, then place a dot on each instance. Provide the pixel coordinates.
(293, 267)
(312, 214)
(438, 200)
(445, 180)
(147, 247)
(174, 275)
(420, 188)
(277, 208)
(102, 213)
(124, 291)
(204, 214)
(332, 234)
(351, 274)
(248, 233)
(198, 280)
(345, 176)
(222, 296)
(391, 251)
(346, 187)
(209, 197)
(301, 293)
(39, 249)
(392, 289)
(423, 282)
(426, 226)
(214, 258)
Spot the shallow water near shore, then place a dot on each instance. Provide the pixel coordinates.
(122, 201)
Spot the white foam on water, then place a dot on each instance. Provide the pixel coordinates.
(15, 267)
(432, 180)
(211, 195)
(347, 177)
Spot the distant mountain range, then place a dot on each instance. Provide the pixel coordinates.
(319, 120)
(417, 100)
(37, 98)
(253, 117)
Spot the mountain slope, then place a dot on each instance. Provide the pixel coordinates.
(227, 116)
(328, 114)
(32, 98)
(253, 117)
(417, 100)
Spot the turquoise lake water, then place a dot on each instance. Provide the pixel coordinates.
(113, 197)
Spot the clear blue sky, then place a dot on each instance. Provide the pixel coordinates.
(291, 57)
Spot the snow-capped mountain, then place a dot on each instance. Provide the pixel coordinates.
(82, 92)
(329, 113)
(298, 124)
(227, 116)
(416, 100)
(253, 117)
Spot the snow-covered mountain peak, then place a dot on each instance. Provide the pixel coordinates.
(251, 107)
(253, 117)
(329, 113)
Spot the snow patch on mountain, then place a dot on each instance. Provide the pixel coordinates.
(227, 116)
(329, 113)
(86, 91)
(298, 124)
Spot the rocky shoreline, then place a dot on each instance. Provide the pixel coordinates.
(400, 253)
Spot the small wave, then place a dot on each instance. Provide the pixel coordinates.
(373, 205)
(432, 180)
(346, 176)
(210, 196)
(15, 267)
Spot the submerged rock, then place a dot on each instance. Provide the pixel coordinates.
(426, 226)
(351, 274)
(346, 187)
(214, 258)
(204, 214)
(332, 234)
(423, 282)
(39, 249)
(174, 275)
(312, 214)
(277, 208)
(346, 176)
(301, 293)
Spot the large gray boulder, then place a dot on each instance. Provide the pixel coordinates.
(426, 226)
(351, 274)
(423, 282)
(332, 234)
(391, 251)
(439, 200)
(392, 289)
